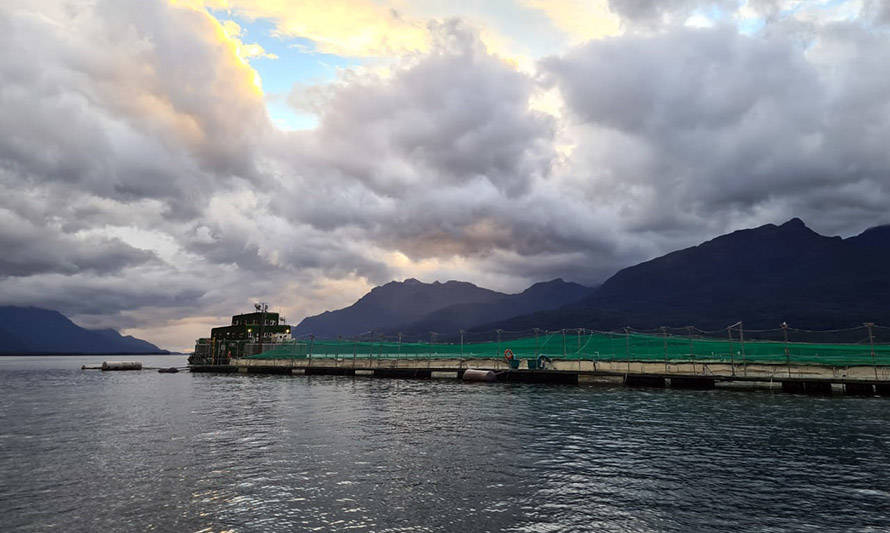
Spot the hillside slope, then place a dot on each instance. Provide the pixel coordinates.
(762, 276)
(391, 305)
(25, 330)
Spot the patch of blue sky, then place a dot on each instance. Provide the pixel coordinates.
(715, 12)
(710, 15)
(297, 62)
(750, 26)
(824, 5)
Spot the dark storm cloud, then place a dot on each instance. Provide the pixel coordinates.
(444, 157)
(133, 126)
(719, 123)
(85, 294)
(28, 249)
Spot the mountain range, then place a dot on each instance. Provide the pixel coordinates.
(416, 308)
(31, 330)
(762, 276)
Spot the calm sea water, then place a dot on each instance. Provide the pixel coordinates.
(141, 451)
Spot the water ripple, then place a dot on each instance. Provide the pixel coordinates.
(88, 451)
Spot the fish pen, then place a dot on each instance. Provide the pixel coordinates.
(865, 345)
(853, 360)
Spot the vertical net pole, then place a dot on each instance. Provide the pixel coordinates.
(461, 344)
(311, 339)
(742, 342)
(537, 343)
(691, 350)
(399, 356)
(627, 347)
(731, 352)
(871, 342)
(499, 345)
(664, 340)
(787, 351)
(354, 351)
(563, 344)
(578, 351)
(578, 354)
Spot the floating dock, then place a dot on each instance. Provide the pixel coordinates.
(865, 380)
(852, 361)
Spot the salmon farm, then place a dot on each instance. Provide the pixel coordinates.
(851, 361)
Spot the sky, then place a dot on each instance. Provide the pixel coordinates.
(165, 164)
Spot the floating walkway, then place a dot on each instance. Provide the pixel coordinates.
(864, 380)
(852, 361)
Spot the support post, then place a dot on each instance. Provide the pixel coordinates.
(380, 350)
(731, 351)
(665, 345)
(461, 344)
(691, 348)
(787, 351)
(578, 351)
(430, 358)
(627, 348)
(497, 355)
(871, 342)
(311, 339)
(742, 341)
(563, 344)
(537, 343)
(399, 356)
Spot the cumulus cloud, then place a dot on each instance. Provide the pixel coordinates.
(145, 187)
(127, 100)
(345, 27)
(30, 249)
(709, 121)
(452, 116)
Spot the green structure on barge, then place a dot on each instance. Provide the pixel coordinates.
(248, 334)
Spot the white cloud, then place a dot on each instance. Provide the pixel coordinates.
(135, 142)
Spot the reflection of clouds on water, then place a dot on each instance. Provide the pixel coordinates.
(106, 451)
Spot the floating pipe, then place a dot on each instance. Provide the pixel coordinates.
(121, 365)
(471, 374)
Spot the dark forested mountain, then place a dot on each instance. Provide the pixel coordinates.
(414, 307)
(763, 276)
(539, 297)
(393, 304)
(25, 330)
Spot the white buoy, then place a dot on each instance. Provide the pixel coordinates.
(121, 365)
(471, 374)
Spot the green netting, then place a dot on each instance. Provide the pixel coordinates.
(599, 346)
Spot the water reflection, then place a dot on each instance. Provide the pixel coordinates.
(124, 451)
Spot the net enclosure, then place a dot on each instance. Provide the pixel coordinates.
(855, 346)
